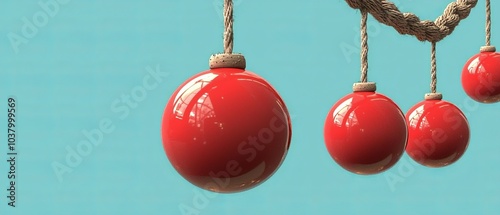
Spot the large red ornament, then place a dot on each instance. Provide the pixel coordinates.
(438, 133)
(365, 132)
(226, 130)
(481, 77)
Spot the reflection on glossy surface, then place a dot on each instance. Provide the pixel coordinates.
(365, 132)
(481, 77)
(438, 133)
(226, 130)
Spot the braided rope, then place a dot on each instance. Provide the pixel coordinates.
(433, 68)
(364, 47)
(407, 23)
(228, 26)
(488, 23)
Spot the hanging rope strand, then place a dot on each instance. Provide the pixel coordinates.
(433, 68)
(228, 26)
(488, 23)
(364, 47)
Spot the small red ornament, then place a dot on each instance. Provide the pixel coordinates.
(226, 129)
(438, 132)
(481, 76)
(365, 132)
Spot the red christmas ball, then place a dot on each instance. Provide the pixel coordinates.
(365, 132)
(481, 77)
(438, 133)
(226, 130)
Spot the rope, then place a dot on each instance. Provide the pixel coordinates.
(433, 68)
(228, 26)
(488, 23)
(364, 47)
(407, 23)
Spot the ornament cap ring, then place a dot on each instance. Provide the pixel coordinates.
(227, 61)
(488, 49)
(364, 87)
(433, 96)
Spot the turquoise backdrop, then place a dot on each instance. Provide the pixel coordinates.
(72, 64)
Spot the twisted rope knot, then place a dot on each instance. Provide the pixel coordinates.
(407, 23)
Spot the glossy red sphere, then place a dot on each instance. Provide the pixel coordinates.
(438, 133)
(481, 77)
(365, 132)
(226, 130)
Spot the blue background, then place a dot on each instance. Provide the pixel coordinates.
(67, 76)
